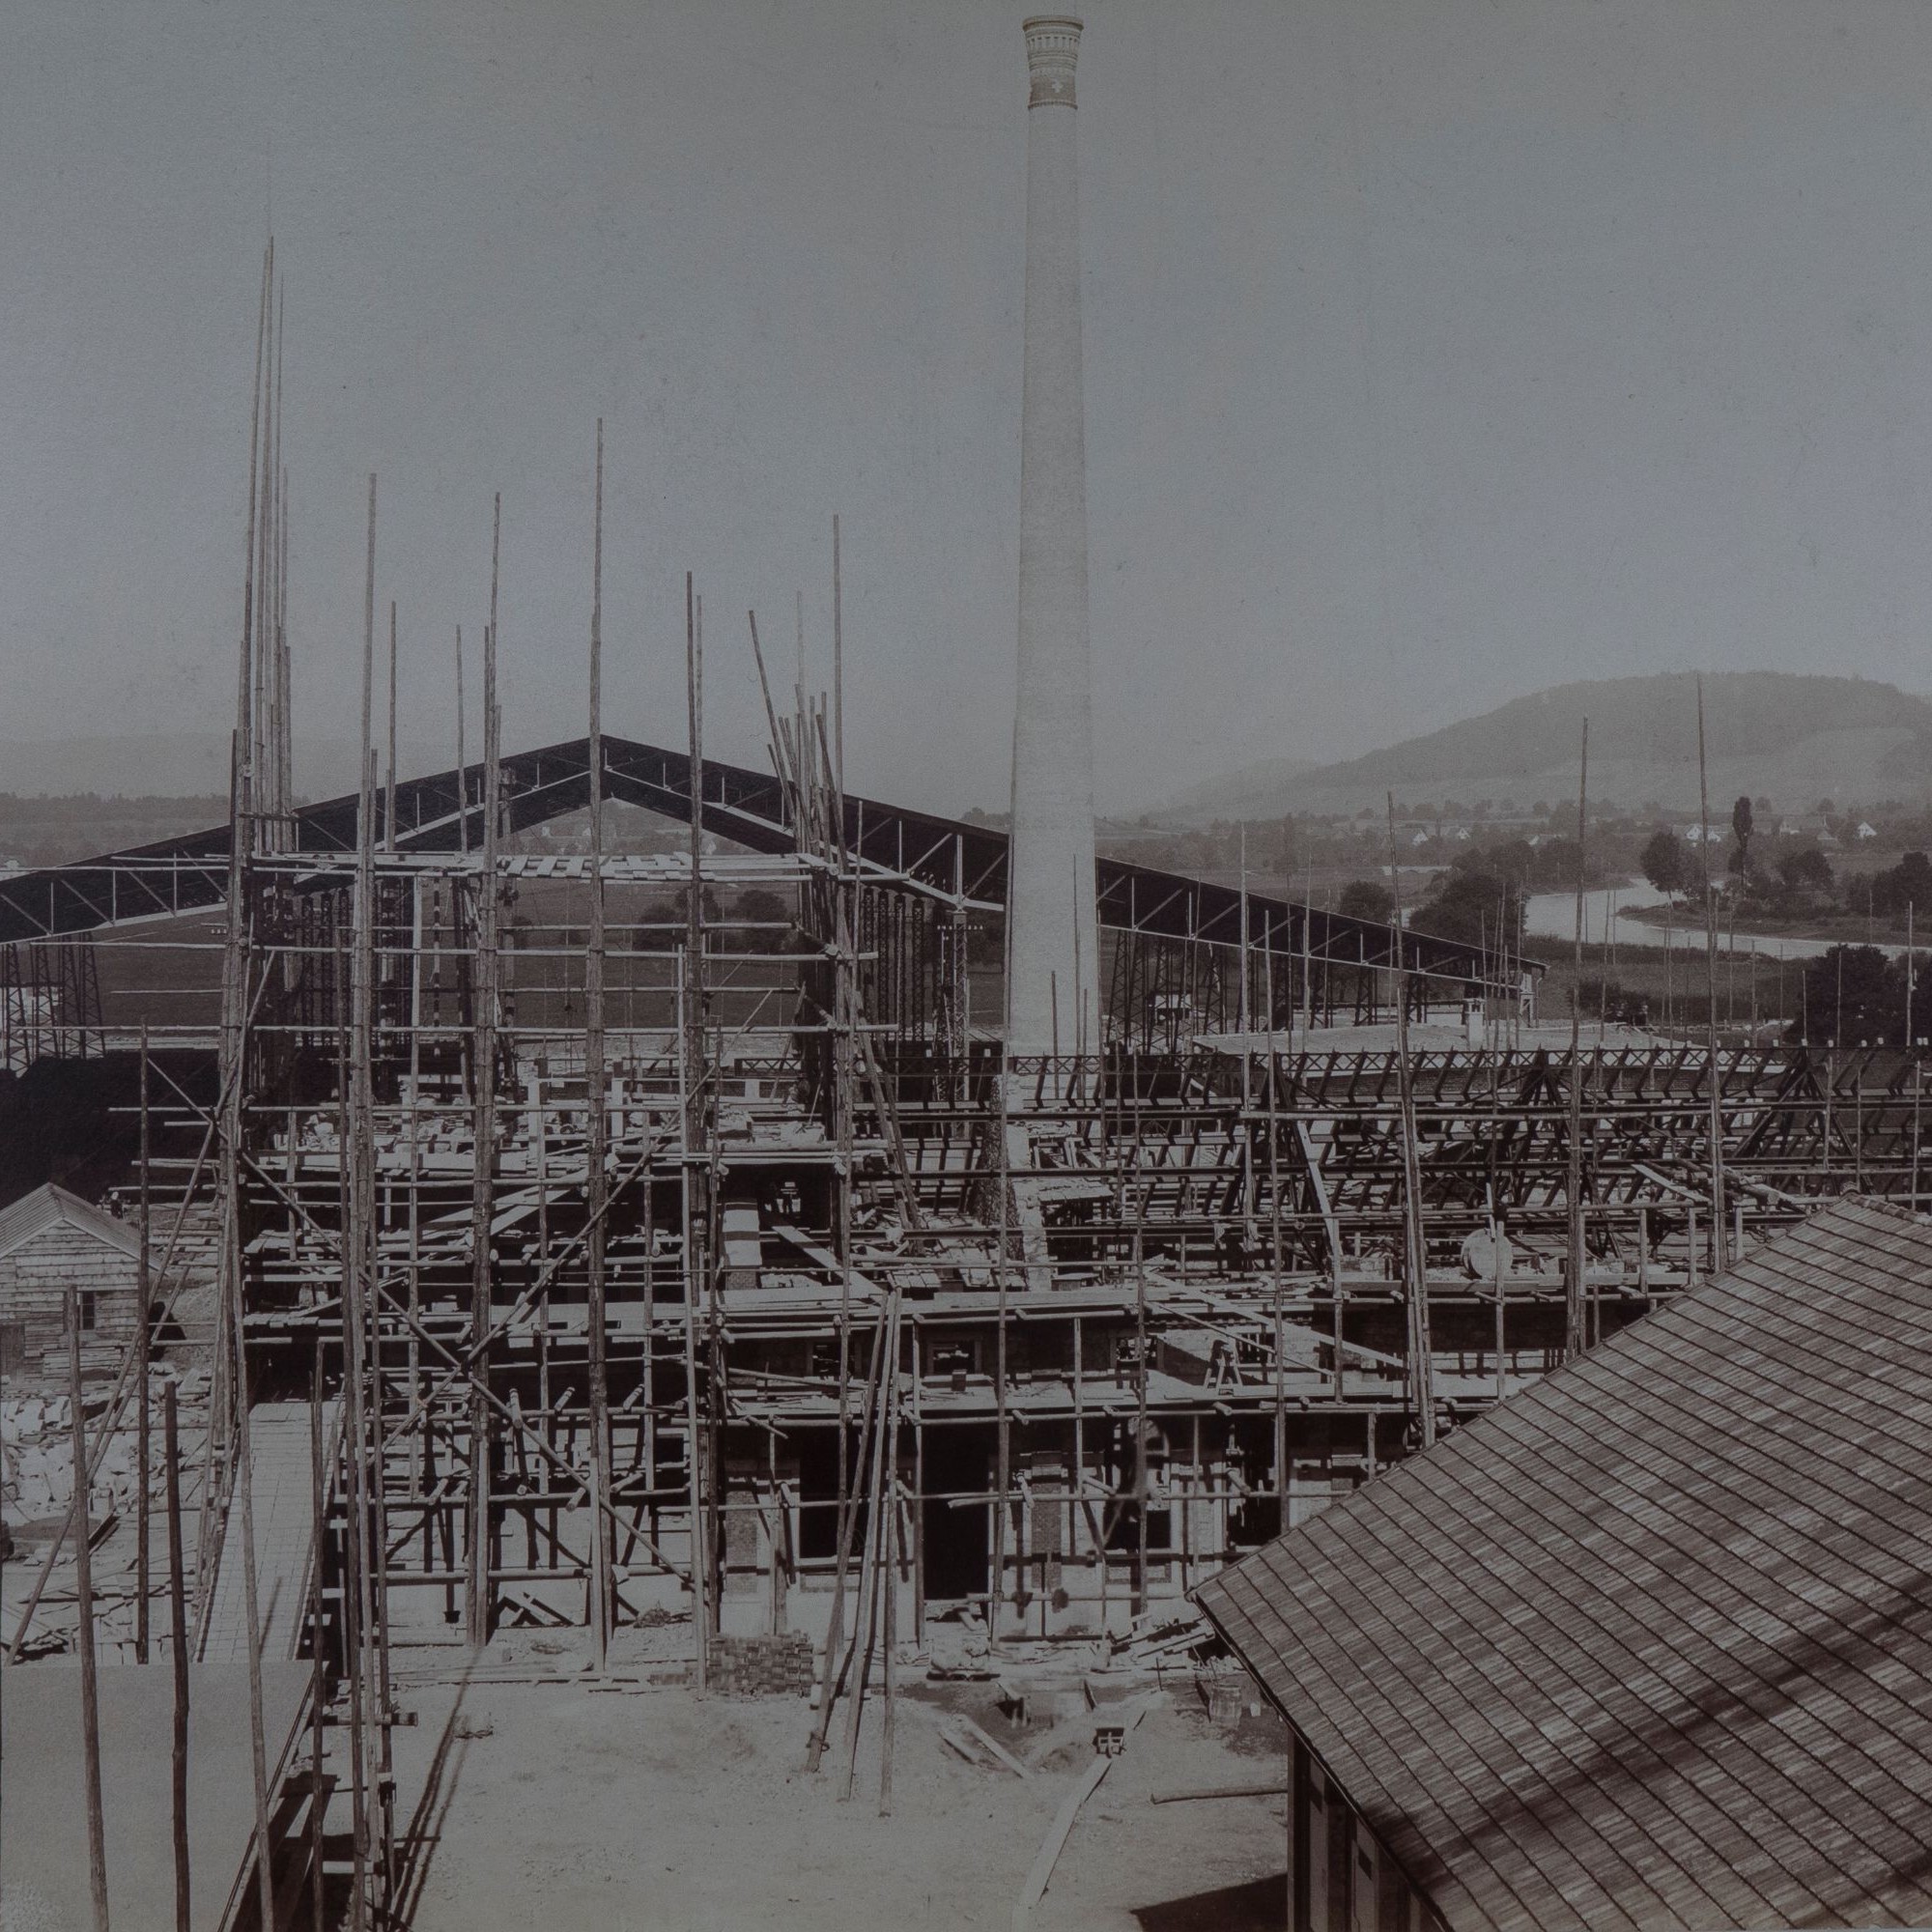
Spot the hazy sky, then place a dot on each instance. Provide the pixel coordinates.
(1435, 350)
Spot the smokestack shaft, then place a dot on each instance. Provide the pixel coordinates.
(1052, 932)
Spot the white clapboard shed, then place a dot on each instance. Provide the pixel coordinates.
(52, 1243)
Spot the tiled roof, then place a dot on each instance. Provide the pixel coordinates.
(32, 1214)
(1651, 1645)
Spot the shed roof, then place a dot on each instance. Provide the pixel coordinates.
(1651, 1645)
(48, 1207)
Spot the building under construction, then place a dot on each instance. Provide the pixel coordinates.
(848, 1218)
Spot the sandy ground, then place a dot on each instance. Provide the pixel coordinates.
(653, 1810)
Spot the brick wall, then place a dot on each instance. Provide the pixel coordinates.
(761, 1667)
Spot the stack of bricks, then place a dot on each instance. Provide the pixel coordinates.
(761, 1667)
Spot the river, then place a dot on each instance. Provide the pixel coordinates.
(1554, 915)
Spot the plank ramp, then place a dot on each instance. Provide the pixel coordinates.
(284, 1538)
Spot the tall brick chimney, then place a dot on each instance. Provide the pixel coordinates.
(1053, 976)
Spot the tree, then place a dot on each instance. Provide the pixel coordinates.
(1469, 903)
(1909, 883)
(1554, 864)
(1805, 871)
(756, 908)
(1854, 993)
(1365, 898)
(1664, 862)
(1743, 825)
(1510, 859)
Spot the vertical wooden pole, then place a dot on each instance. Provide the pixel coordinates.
(1274, 1256)
(1242, 1020)
(1421, 1368)
(714, 1288)
(889, 1570)
(1917, 1087)
(1574, 1337)
(356, 1195)
(598, 1121)
(801, 750)
(1142, 1488)
(648, 1400)
(701, 1615)
(245, 728)
(177, 1643)
(1001, 1423)
(916, 1502)
(317, 1677)
(412, 1359)
(835, 1668)
(1496, 1248)
(462, 770)
(277, 547)
(143, 1351)
(255, 745)
(838, 675)
(235, 974)
(1716, 1075)
(389, 802)
(477, 1604)
(691, 1049)
(83, 1569)
(372, 1519)
(871, 1568)
(354, 1596)
(843, 944)
(283, 657)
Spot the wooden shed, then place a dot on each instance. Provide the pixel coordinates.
(51, 1243)
(1648, 1645)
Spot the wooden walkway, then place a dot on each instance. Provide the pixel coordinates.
(284, 1538)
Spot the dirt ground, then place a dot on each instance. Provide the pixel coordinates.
(650, 1809)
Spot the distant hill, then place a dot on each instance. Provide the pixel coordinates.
(1769, 734)
(1219, 797)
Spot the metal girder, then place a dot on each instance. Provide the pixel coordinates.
(948, 858)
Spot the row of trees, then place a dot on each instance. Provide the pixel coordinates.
(1481, 893)
(1799, 883)
(1672, 867)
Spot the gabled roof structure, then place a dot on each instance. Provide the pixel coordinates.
(47, 1206)
(1651, 1645)
(952, 859)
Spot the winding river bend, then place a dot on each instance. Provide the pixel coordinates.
(1554, 915)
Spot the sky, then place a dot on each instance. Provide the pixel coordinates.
(1437, 351)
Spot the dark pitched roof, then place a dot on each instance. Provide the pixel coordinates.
(1651, 1645)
